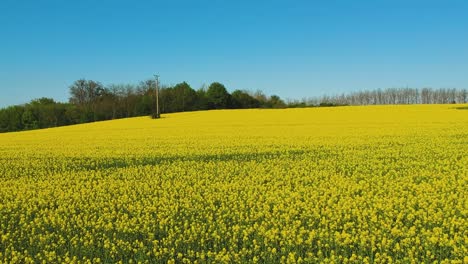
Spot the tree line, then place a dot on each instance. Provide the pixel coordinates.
(387, 96)
(91, 101)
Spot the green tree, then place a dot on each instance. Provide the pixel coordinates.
(29, 120)
(45, 112)
(276, 102)
(202, 99)
(185, 97)
(242, 99)
(217, 96)
(10, 118)
(86, 94)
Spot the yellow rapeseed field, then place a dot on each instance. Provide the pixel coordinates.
(373, 184)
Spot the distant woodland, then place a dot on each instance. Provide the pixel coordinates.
(91, 101)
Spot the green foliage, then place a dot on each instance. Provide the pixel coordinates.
(179, 98)
(217, 96)
(29, 120)
(39, 113)
(202, 102)
(186, 97)
(276, 102)
(242, 99)
(10, 118)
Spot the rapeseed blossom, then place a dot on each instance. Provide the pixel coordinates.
(374, 184)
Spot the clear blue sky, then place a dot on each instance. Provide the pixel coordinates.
(290, 48)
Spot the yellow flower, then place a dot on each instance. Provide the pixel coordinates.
(310, 185)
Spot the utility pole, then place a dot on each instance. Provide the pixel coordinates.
(157, 114)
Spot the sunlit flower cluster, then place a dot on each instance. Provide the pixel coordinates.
(375, 184)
